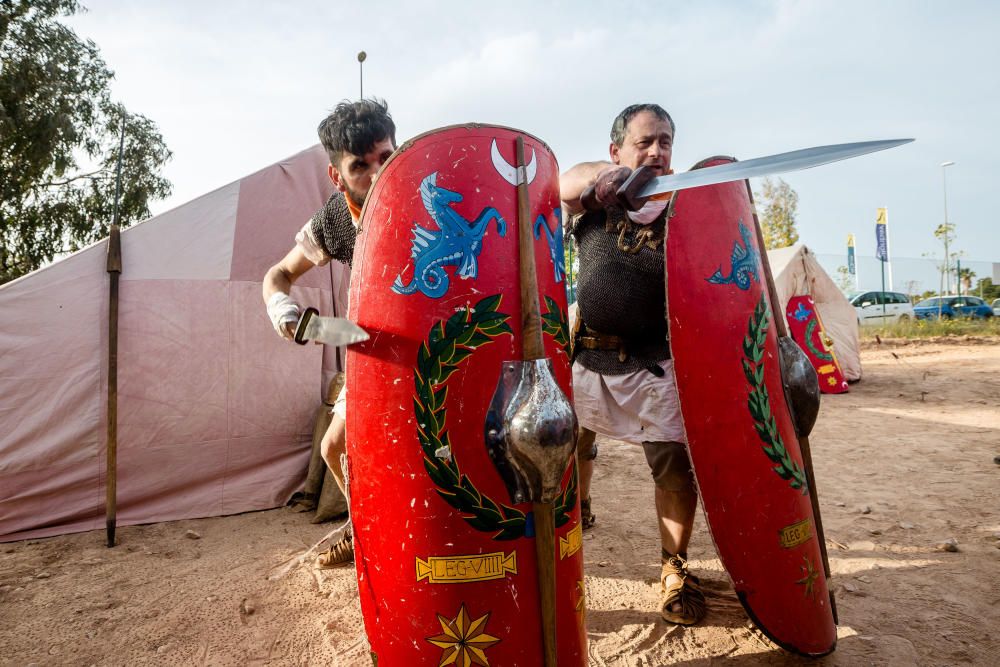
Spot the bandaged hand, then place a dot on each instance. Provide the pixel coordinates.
(604, 191)
(284, 314)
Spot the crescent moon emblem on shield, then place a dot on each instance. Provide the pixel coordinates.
(509, 171)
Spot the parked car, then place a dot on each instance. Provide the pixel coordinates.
(880, 308)
(949, 307)
(996, 307)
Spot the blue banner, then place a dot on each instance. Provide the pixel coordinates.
(851, 269)
(881, 236)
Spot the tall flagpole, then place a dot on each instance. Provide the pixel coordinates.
(888, 249)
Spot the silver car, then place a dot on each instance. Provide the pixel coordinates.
(881, 308)
(996, 307)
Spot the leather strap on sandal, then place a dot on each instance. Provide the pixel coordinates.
(686, 592)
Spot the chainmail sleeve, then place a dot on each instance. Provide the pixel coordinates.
(333, 229)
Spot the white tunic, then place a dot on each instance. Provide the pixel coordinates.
(635, 407)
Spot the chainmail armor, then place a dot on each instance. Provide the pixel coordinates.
(333, 228)
(621, 289)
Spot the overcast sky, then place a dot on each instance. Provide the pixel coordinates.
(235, 86)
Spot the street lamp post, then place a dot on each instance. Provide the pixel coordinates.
(361, 73)
(947, 257)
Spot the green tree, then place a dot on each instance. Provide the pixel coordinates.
(988, 288)
(965, 276)
(845, 281)
(778, 205)
(946, 234)
(59, 138)
(571, 261)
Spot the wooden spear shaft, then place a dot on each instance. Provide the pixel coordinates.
(533, 350)
(114, 268)
(782, 331)
(531, 313)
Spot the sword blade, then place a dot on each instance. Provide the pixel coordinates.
(764, 166)
(336, 331)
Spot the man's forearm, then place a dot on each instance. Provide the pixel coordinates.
(277, 284)
(275, 280)
(575, 181)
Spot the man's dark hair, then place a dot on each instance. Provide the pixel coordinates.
(355, 128)
(620, 126)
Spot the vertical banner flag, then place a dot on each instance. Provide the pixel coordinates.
(881, 236)
(850, 255)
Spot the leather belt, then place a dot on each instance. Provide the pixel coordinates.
(595, 340)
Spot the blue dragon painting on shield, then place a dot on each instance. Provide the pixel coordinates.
(456, 242)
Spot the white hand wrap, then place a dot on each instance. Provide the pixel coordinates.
(282, 310)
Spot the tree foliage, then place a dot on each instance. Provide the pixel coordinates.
(988, 288)
(966, 275)
(59, 140)
(845, 281)
(777, 204)
(946, 234)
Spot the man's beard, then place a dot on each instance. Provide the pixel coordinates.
(357, 198)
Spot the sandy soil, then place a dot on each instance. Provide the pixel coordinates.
(904, 462)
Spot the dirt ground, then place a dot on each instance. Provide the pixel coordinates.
(904, 463)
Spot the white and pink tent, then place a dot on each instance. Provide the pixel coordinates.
(797, 272)
(215, 412)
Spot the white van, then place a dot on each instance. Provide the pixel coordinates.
(881, 308)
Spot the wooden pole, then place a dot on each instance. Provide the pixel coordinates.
(782, 330)
(533, 350)
(531, 313)
(114, 268)
(545, 551)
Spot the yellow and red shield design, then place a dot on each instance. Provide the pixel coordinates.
(742, 442)
(445, 557)
(806, 329)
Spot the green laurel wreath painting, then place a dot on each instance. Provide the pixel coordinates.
(810, 330)
(759, 401)
(448, 345)
(555, 323)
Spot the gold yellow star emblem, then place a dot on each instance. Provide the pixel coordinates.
(464, 641)
(811, 576)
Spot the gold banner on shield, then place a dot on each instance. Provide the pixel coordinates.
(461, 569)
(796, 534)
(572, 543)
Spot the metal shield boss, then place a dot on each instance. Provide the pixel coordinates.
(751, 473)
(444, 538)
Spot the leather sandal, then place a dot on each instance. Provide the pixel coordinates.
(587, 518)
(339, 555)
(686, 592)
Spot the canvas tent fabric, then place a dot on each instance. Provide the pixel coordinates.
(797, 272)
(215, 411)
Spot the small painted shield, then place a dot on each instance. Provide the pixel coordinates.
(446, 560)
(806, 328)
(742, 442)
